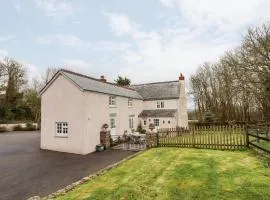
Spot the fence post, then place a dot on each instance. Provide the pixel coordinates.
(193, 138)
(247, 138)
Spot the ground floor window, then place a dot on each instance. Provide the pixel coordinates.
(144, 122)
(61, 129)
(156, 122)
(112, 123)
(131, 122)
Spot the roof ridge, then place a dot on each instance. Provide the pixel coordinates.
(154, 83)
(95, 79)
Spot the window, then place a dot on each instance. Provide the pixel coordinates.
(160, 104)
(131, 122)
(112, 100)
(169, 122)
(144, 122)
(62, 129)
(112, 123)
(156, 122)
(130, 102)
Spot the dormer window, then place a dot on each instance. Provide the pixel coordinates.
(112, 101)
(130, 102)
(160, 104)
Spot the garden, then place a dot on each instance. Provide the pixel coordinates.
(181, 173)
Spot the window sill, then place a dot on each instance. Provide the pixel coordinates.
(61, 136)
(112, 106)
(130, 107)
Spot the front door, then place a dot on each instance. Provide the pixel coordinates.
(113, 125)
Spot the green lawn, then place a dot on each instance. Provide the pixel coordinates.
(178, 173)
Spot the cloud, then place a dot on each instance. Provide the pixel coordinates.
(105, 45)
(57, 9)
(201, 31)
(226, 15)
(168, 3)
(66, 40)
(120, 23)
(77, 65)
(16, 5)
(5, 38)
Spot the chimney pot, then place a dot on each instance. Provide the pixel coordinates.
(102, 78)
(181, 77)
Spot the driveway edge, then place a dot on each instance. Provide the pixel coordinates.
(85, 179)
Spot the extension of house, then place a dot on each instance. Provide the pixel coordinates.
(74, 107)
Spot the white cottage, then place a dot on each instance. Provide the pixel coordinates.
(74, 107)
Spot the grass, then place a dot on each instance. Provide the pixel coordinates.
(174, 173)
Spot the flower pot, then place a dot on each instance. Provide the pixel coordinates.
(99, 148)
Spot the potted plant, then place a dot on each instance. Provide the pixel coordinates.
(99, 147)
(105, 126)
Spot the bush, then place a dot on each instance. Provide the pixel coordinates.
(3, 129)
(140, 129)
(30, 127)
(18, 128)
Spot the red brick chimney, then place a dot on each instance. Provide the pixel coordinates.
(102, 78)
(181, 77)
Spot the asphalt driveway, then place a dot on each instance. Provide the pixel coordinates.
(27, 171)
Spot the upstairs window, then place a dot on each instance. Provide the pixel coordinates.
(160, 104)
(61, 129)
(144, 122)
(130, 102)
(156, 122)
(112, 101)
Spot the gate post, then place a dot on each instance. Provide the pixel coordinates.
(105, 138)
(151, 139)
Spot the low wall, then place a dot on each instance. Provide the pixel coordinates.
(10, 127)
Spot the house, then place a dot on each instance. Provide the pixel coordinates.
(74, 107)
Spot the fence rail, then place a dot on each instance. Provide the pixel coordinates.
(259, 137)
(211, 137)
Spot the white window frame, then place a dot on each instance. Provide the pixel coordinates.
(156, 122)
(144, 122)
(160, 104)
(61, 129)
(112, 122)
(112, 101)
(130, 102)
(131, 122)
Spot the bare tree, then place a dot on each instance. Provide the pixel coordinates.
(237, 87)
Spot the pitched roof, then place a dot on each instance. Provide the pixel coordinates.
(158, 113)
(95, 85)
(159, 90)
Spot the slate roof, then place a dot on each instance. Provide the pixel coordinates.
(158, 113)
(95, 85)
(160, 90)
(148, 91)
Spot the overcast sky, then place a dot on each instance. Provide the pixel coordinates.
(145, 40)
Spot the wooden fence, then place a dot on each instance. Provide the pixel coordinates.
(210, 137)
(259, 137)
